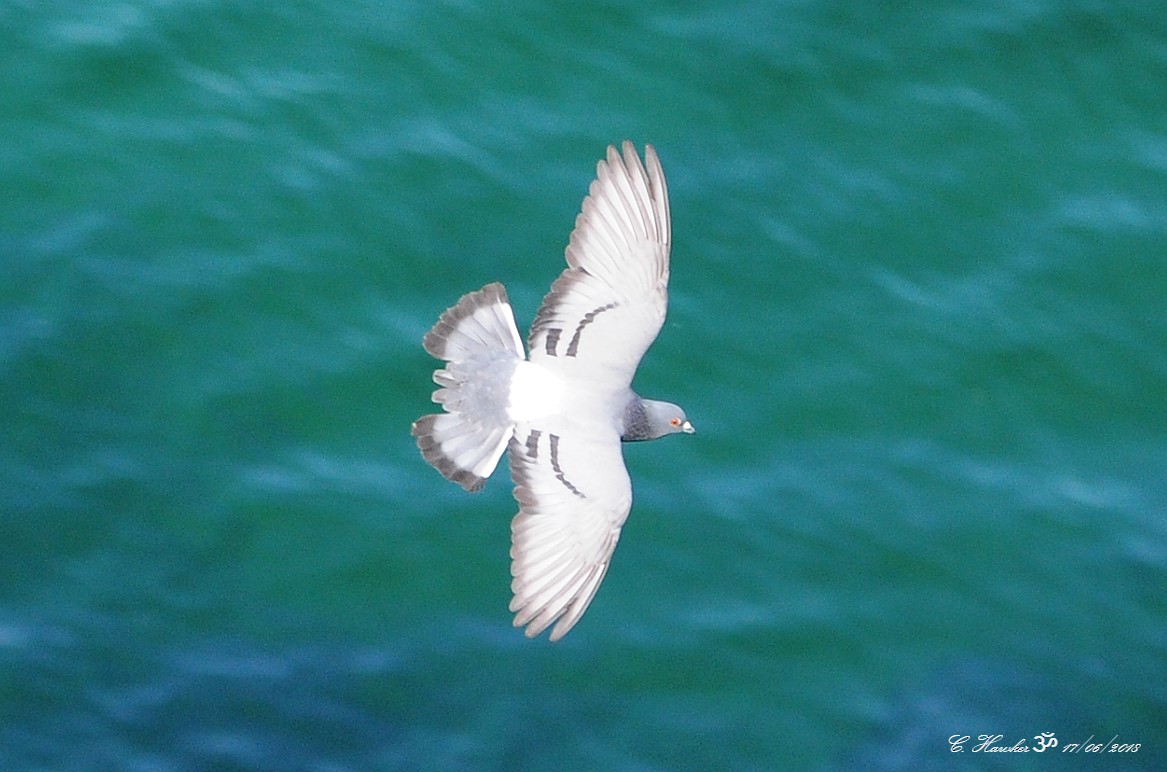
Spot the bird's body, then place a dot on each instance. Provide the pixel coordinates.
(562, 412)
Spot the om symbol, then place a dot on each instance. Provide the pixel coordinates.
(1043, 741)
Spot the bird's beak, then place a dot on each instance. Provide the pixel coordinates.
(687, 428)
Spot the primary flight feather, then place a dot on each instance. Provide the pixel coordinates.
(562, 412)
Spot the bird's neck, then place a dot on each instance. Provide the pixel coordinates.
(636, 424)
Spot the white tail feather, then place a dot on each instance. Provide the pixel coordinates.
(481, 345)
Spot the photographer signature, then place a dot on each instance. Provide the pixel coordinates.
(991, 743)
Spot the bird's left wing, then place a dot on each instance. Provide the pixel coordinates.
(574, 495)
(604, 311)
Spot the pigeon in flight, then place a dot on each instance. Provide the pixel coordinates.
(562, 412)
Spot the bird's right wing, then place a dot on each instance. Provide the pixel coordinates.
(574, 495)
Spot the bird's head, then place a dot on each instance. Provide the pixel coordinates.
(666, 418)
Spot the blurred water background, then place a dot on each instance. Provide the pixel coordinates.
(917, 316)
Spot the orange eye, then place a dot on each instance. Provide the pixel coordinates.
(675, 422)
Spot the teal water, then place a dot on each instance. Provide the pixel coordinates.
(917, 316)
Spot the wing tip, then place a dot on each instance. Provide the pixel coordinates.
(556, 613)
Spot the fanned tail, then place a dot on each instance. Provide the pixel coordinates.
(478, 340)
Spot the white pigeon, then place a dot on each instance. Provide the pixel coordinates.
(563, 412)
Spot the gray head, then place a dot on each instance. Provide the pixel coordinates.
(647, 419)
